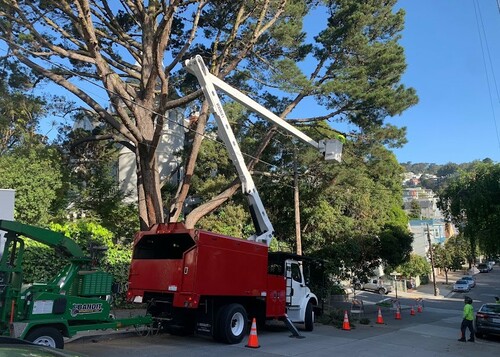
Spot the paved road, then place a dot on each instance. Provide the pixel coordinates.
(434, 332)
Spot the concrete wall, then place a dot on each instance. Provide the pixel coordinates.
(7, 198)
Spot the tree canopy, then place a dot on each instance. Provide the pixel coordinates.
(416, 266)
(472, 202)
(35, 172)
(133, 51)
(130, 55)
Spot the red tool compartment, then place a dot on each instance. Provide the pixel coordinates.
(172, 259)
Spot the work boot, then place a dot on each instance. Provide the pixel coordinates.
(462, 339)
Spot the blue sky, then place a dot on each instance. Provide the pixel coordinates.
(458, 116)
(455, 73)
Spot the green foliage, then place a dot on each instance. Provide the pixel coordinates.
(395, 245)
(445, 173)
(335, 289)
(448, 256)
(231, 220)
(85, 233)
(91, 184)
(460, 249)
(42, 263)
(19, 117)
(472, 202)
(334, 317)
(366, 61)
(34, 171)
(415, 210)
(117, 262)
(416, 266)
(355, 74)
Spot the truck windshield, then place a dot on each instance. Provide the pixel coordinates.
(163, 246)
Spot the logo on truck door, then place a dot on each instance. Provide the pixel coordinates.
(83, 309)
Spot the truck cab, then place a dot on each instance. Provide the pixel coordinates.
(302, 305)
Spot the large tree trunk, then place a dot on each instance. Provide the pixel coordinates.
(149, 196)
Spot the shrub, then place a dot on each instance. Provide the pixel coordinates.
(42, 263)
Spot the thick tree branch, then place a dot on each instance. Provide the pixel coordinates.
(93, 138)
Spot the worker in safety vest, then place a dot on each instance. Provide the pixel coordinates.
(467, 321)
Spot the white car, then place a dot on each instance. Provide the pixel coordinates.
(461, 286)
(470, 279)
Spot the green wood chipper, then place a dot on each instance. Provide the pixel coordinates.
(76, 299)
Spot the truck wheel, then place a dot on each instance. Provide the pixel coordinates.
(46, 336)
(381, 291)
(309, 318)
(232, 324)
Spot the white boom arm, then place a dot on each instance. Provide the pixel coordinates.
(332, 149)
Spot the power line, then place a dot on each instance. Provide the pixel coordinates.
(479, 20)
(492, 68)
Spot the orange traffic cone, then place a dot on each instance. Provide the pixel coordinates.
(398, 314)
(412, 311)
(346, 326)
(380, 320)
(253, 340)
(419, 308)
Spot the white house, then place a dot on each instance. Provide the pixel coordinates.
(172, 140)
(422, 230)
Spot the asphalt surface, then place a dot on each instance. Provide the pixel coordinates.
(432, 332)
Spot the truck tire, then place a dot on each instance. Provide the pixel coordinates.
(46, 336)
(381, 291)
(309, 318)
(232, 324)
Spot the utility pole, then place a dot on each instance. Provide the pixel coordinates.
(296, 203)
(432, 260)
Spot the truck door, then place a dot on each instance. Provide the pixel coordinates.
(295, 286)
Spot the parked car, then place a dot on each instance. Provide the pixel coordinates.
(470, 279)
(488, 320)
(483, 268)
(461, 286)
(14, 347)
(373, 284)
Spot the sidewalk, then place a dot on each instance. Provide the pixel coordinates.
(443, 290)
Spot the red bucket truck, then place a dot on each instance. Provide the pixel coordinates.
(195, 281)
